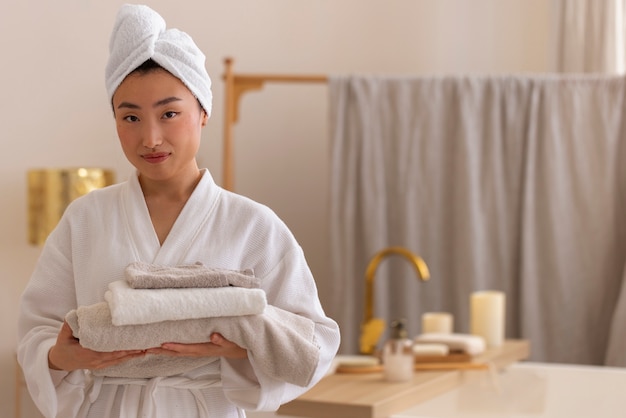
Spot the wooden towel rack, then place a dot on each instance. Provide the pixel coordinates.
(235, 86)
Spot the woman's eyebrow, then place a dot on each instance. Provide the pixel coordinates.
(161, 102)
(166, 101)
(128, 105)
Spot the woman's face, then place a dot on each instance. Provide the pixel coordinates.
(159, 123)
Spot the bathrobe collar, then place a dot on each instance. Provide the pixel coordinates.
(182, 236)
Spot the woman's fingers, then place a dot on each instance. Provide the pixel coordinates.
(218, 346)
(67, 354)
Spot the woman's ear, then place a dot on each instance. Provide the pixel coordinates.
(205, 118)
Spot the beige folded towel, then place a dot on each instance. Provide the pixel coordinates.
(144, 306)
(140, 275)
(280, 343)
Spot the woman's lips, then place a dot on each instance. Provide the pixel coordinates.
(156, 157)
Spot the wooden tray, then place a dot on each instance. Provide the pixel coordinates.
(453, 357)
(465, 365)
(452, 361)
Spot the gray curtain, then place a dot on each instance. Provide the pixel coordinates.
(512, 183)
(589, 36)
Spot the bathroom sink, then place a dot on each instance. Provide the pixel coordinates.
(531, 390)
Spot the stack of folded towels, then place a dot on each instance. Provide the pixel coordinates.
(186, 304)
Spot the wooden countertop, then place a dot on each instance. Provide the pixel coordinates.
(370, 396)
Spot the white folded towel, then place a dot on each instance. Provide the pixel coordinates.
(145, 306)
(466, 343)
(139, 34)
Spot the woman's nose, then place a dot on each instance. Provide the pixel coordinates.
(151, 136)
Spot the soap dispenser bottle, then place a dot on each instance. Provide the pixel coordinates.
(398, 359)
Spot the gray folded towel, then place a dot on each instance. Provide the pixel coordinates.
(140, 275)
(281, 344)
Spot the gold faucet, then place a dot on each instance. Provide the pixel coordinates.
(372, 328)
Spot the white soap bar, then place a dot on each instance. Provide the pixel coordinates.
(470, 344)
(428, 349)
(356, 361)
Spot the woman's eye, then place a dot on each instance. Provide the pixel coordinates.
(169, 115)
(131, 118)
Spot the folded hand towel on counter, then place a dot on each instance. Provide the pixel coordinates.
(466, 343)
(140, 275)
(144, 306)
(280, 343)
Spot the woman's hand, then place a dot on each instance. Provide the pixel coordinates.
(217, 347)
(67, 354)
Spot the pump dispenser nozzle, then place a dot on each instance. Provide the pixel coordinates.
(398, 353)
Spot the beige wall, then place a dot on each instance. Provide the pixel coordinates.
(54, 113)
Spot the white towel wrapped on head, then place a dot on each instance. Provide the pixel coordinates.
(145, 306)
(139, 34)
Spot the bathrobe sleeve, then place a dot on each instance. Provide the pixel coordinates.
(67, 274)
(297, 296)
(47, 298)
(272, 251)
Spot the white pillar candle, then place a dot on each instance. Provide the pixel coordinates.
(487, 316)
(440, 322)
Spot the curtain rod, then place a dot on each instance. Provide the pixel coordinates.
(235, 86)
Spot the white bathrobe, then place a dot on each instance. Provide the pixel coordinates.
(104, 231)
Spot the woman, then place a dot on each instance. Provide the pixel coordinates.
(168, 213)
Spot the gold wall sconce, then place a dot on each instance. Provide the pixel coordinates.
(51, 190)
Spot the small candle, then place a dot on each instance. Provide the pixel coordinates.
(487, 316)
(440, 322)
